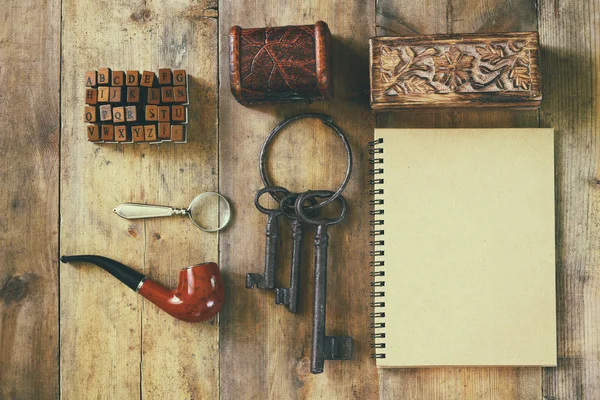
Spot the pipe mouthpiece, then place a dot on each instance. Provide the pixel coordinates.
(128, 276)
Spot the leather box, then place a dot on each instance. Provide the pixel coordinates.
(280, 64)
(455, 71)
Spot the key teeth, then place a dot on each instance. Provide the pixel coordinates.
(337, 348)
(254, 279)
(282, 296)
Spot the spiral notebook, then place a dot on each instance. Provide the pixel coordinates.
(463, 247)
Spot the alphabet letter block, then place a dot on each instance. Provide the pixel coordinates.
(164, 113)
(154, 96)
(137, 133)
(150, 133)
(120, 133)
(118, 78)
(103, 94)
(178, 113)
(133, 78)
(177, 133)
(118, 100)
(179, 77)
(90, 78)
(104, 76)
(106, 113)
(115, 94)
(164, 130)
(167, 94)
(151, 113)
(93, 133)
(133, 94)
(90, 114)
(108, 133)
(180, 94)
(164, 76)
(91, 96)
(119, 114)
(131, 113)
(147, 79)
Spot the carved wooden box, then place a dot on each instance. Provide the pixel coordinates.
(455, 71)
(280, 64)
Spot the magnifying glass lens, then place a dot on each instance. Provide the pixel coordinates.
(210, 211)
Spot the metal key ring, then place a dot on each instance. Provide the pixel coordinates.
(319, 220)
(288, 204)
(327, 120)
(270, 190)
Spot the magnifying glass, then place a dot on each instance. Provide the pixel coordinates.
(209, 211)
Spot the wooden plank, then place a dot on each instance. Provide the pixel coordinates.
(113, 343)
(29, 121)
(264, 349)
(571, 61)
(415, 18)
(181, 359)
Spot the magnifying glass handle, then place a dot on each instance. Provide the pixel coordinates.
(137, 210)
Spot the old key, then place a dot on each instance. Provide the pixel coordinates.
(267, 279)
(323, 347)
(289, 296)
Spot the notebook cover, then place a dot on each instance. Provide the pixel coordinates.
(469, 247)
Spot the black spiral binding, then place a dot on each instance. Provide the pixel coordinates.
(376, 232)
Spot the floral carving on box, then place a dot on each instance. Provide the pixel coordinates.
(456, 68)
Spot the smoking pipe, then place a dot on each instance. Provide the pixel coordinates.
(198, 296)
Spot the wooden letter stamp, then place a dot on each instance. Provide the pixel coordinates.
(90, 78)
(103, 94)
(119, 114)
(150, 133)
(137, 133)
(147, 79)
(131, 113)
(180, 94)
(133, 94)
(108, 133)
(167, 94)
(164, 130)
(115, 94)
(132, 78)
(90, 114)
(164, 113)
(179, 77)
(178, 113)
(93, 133)
(164, 76)
(91, 96)
(153, 96)
(177, 133)
(121, 133)
(151, 113)
(103, 76)
(106, 112)
(118, 78)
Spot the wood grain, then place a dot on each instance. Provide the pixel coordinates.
(114, 344)
(265, 349)
(30, 76)
(416, 17)
(570, 64)
(491, 70)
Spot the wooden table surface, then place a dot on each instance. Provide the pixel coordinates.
(77, 333)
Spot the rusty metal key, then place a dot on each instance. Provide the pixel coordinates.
(289, 296)
(323, 347)
(266, 280)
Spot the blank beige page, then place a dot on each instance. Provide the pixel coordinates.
(469, 247)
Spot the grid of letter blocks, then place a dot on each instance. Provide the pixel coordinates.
(129, 107)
